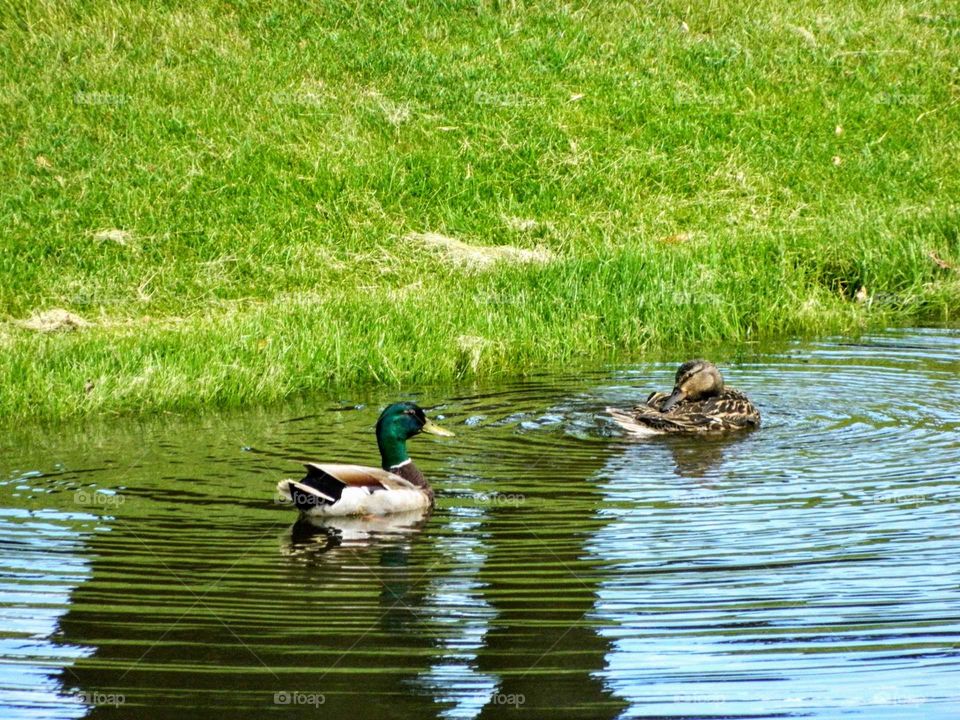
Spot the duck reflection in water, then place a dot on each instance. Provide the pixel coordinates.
(312, 538)
(695, 457)
(699, 458)
(370, 609)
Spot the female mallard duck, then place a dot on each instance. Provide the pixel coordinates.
(399, 486)
(699, 403)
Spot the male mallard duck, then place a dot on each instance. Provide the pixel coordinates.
(699, 403)
(357, 490)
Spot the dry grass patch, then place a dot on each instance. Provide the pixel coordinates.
(479, 257)
(54, 320)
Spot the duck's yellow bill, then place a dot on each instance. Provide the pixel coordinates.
(434, 429)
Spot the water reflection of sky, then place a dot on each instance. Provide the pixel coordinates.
(41, 562)
(800, 570)
(462, 617)
(807, 569)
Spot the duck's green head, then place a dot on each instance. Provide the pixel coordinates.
(695, 380)
(397, 424)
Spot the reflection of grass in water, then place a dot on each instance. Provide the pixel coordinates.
(228, 195)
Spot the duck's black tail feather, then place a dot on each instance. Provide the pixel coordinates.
(316, 489)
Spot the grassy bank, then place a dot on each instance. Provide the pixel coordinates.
(231, 198)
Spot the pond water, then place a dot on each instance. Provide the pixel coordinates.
(809, 569)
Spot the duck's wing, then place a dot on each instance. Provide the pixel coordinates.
(732, 409)
(642, 421)
(324, 484)
(358, 476)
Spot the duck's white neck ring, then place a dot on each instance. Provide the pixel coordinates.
(400, 465)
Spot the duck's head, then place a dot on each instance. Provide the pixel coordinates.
(397, 424)
(696, 379)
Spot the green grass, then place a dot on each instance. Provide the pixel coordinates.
(746, 175)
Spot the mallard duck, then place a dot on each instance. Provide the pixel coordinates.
(699, 403)
(397, 486)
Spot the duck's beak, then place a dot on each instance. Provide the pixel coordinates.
(676, 397)
(431, 427)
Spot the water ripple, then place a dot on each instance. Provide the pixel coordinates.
(806, 569)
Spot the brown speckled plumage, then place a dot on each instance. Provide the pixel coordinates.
(699, 403)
